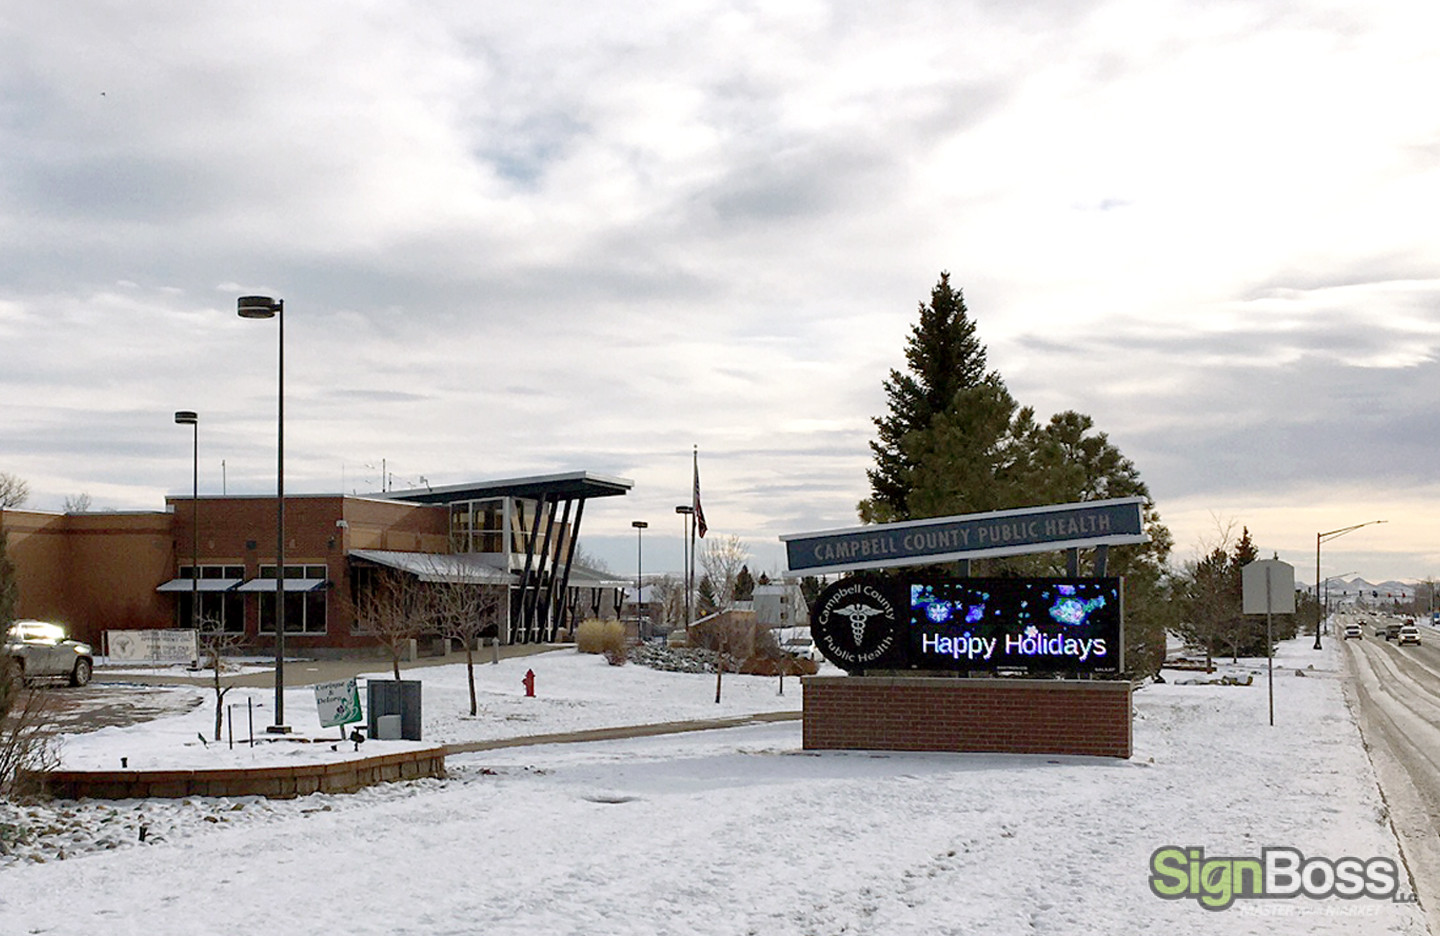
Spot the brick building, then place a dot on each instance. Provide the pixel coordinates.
(105, 571)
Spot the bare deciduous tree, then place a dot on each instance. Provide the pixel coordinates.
(721, 560)
(26, 736)
(215, 643)
(393, 610)
(464, 611)
(668, 592)
(80, 503)
(13, 490)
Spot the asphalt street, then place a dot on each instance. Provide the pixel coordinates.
(1396, 694)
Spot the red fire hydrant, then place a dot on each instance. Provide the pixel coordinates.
(529, 682)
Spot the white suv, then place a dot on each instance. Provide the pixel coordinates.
(1409, 634)
(41, 649)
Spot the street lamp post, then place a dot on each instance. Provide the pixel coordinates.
(192, 419)
(1323, 538)
(264, 307)
(687, 553)
(639, 526)
(1325, 605)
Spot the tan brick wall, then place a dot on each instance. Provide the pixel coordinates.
(1013, 716)
(99, 571)
(92, 572)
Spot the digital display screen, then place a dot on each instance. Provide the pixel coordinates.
(1035, 625)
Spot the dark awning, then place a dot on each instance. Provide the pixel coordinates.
(204, 585)
(291, 585)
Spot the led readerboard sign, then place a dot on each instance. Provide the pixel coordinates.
(1053, 625)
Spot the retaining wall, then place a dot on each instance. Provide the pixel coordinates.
(275, 782)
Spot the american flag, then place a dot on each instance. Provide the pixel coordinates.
(699, 514)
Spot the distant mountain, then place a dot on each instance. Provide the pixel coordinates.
(1387, 589)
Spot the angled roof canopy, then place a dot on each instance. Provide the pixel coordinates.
(581, 484)
(465, 569)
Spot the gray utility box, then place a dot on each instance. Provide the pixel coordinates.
(388, 697)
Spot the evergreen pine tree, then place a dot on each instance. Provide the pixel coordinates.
(943, 356)
(744, 584)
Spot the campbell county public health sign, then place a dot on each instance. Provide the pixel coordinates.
(1052, 625)
(945, 539)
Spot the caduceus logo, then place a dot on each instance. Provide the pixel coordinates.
(855, 623)
(858, 614)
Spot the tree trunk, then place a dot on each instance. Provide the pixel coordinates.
(470, 674)
(219, 697)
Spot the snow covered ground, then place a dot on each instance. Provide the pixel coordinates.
(574, 692)
(736, 831)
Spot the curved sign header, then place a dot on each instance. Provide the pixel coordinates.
(970, 536)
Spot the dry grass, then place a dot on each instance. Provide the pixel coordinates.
(594, 636)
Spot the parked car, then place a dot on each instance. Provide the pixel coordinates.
(1409, 634)
(1353, 631)
(41, 649)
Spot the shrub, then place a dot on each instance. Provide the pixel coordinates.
(25, 739)
(594, 636)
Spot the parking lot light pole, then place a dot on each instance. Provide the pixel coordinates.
(1323, 538)
(191, 419)
(263, 307)
(639, 526)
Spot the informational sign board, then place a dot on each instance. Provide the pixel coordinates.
(944, 539)
(1281, 590)
(152, 646)
(1051, 625)
(338, 703)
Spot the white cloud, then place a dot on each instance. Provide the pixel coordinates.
(582, 237)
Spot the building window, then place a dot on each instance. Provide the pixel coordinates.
(304, 610)
(477, 526)
(225, 609)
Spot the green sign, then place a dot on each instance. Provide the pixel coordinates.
(338, 703)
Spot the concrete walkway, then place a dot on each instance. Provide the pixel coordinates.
(305, 672)
(624, 731)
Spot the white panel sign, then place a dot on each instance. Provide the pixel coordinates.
(1282, 587)
(152, 646)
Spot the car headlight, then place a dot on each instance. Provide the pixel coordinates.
(82, 649)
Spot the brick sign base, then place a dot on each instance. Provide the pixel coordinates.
(1009, 716)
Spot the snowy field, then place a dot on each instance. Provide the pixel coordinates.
(738, 831)
(574, 692)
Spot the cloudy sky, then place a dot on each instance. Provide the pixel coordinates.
(515, 240)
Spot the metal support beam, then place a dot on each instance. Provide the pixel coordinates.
(569, 559)
(1102, 557)
(533, 617)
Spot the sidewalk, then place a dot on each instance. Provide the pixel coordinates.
(623, 731)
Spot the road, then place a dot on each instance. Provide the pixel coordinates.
(1396, 691)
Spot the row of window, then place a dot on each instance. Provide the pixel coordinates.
(304, 611)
